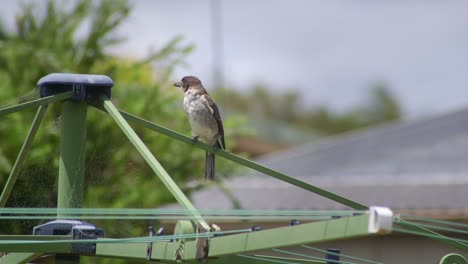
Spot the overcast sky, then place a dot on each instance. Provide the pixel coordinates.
(330, 51)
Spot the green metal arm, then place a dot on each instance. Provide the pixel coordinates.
(50, 247)
(329, 230)
(35, 103)
(22, 155)
(245, 162)
(20, 258)
(153, 163)
(336, 229)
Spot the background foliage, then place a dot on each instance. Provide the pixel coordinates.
(288, 107)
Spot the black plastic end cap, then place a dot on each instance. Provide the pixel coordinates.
(84, 86)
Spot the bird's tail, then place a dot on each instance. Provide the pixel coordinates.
(209, 166)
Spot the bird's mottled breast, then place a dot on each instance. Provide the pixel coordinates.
(200, 117)
(192, 103)
(197, 109)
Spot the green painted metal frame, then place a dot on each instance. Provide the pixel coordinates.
(75, 115)
(53, 244)
(22, 155)
(336, 229)
(245, 162)
(278, 175)
(71, 170)
(329, 230)
(72, 155)
(35, 103)
(20, 258)
(153, 162)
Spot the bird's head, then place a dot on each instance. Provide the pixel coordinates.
(187, 82)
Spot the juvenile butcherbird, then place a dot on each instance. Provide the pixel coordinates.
(204, 119)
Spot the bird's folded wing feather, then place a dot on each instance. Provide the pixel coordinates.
(211, 105)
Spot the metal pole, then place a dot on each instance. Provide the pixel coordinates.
(72, 155)
(72, 163)
(217, 43)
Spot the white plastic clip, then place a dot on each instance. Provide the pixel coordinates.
(380, 220)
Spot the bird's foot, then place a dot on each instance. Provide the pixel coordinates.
(218, 146)
(194, 140)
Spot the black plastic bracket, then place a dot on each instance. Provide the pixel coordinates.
(76, 229)
(149, 249)
(333, 256)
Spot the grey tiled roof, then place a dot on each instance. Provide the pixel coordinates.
(437, 145)
(422, 164)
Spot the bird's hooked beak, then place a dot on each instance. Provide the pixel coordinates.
(178, 84)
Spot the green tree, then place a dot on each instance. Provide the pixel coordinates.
(384, 106)
(321, 119)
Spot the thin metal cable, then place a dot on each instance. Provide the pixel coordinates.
(341, 255)
(158, 217)
(167, 214)
(30, 95)
(310, 257)
(266, 259)
(127, 211)
(443, 228)
(284, 258)
(126, 240)
(401, 230)
(437, 221)
(430, 233)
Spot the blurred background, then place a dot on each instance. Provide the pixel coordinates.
(285, 75)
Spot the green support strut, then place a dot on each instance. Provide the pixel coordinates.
(153, 163)
(22, 155)
(72, 163)
(72, 155)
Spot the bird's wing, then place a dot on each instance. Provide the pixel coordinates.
(211, 105)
